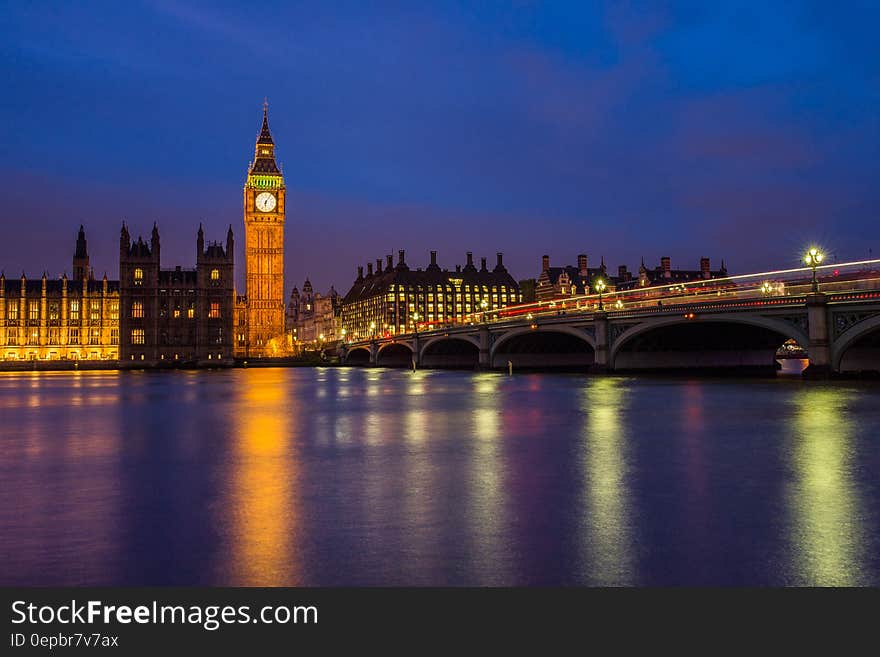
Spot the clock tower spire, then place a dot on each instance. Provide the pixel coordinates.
(264, 215)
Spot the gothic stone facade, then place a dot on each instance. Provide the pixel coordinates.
(175, 316)
(60, 319)
(260, 331)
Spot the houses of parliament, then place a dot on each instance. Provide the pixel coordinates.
(153, 316)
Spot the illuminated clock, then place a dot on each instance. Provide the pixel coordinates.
(265, 202)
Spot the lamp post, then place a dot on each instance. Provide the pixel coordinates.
(766, 288)
(600, 287)
(415, 318)
(813, 258)
(483, 306)
(372, 329)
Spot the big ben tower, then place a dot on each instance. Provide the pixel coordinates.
(264, 201)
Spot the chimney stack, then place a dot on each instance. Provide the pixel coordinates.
(433, 258)
(360, 273)
(470, 259)
(389, 262)
(545, 263)
(500, 260)
(582, 265)
(400, 259)
(369, 269)
(705, 267)
(378, 265)
(483, 264)
(666, 266)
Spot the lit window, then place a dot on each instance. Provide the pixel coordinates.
(12, 310)
(114, 336)
(215, 274)
(137, 336)
(114, 310)
(137, 309)
(138, 276)
(53, 310)
(95, 311)
(73, 336)
(95, 336)
(54, 335)
(34, 336)
(191, 312)
(12, 336)
(33, 310)
(74, 310)
(215, 310)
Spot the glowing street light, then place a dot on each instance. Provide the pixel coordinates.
(813, 258)
(766, 288)
(600, 287)
(415, 318)
(373, 329)
(483, 305)
(619, 304)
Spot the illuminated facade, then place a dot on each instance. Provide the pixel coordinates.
(175, 316)
(393, 300)
(314, 319)
(260, 331)
(60, 319)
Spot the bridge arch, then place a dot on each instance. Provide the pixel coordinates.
(357, 356)
(707, 342)
(858, 348)
(457, 351)
(553, 346)
(394, 354)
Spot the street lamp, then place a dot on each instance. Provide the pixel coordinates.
(813, 258)
(415, 318)
(600, 287)
(619, 304)
(342, 333)
(373, 329)
(483, 305)
(766, 288)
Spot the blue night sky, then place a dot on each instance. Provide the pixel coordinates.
(742, 131)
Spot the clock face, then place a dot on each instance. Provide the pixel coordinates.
(265, 202)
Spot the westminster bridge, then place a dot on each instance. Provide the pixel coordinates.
(739, 323)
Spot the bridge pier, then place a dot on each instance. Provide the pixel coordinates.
(485, 361)
(374, 353)
(819, 348)
(602, 349)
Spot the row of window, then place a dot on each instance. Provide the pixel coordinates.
(137, 276)
(137, 311)
(53, 337)
(53, 310)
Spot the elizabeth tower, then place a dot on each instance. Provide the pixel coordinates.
(264, 200)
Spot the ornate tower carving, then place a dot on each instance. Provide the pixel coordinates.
(264, 211)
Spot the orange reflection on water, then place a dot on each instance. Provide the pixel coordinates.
(263, 503)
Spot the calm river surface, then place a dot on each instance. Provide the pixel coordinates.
(384, 477)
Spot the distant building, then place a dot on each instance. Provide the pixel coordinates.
(60, 319)
(394, 299)
(175, 315)
(666, 275)
(313, 318)
(570, 281)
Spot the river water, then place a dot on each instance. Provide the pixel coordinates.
(386, 477)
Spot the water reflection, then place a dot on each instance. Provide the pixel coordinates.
(608, 505)
(827, 513)
(262, 508)
(487, 509)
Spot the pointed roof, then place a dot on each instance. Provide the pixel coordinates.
(265, 136)
(264, 151)
(81, 249)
